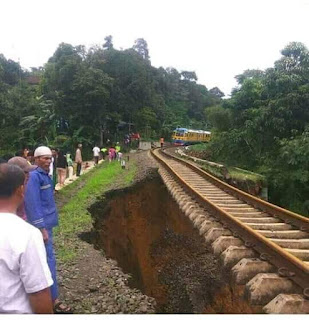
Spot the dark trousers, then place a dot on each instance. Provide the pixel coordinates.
(78, 169)
(96, 160)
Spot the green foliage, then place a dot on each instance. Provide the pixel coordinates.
(264, 126)
(141, 47)
(219, 117)
(84, 95)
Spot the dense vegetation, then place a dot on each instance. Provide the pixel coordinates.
(93, 95)
(264, 126)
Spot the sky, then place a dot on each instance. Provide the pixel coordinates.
(218, 39)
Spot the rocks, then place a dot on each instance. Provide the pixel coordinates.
(93, 289)
(105, 291)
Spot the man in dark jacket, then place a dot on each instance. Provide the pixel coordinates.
(42, 213)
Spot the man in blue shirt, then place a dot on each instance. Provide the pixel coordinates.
(42, 213)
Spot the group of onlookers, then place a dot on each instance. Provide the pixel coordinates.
(28, 214)
(113, 153)
(27, 261)
(62, 164)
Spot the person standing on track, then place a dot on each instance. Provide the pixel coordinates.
(162, 142)
(42, 213)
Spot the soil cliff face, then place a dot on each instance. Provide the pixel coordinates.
(143, 229)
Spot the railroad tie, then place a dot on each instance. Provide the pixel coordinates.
(288, 304)
(264, 285)
(233, 254)
(248, 268)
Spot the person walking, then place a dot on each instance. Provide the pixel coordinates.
(61, 168)
(111, 154)
(70, 166)
(42, 213)
(96, 154)
(78, 159)
(104, 151)
(25, 276)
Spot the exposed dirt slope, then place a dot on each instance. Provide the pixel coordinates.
(95, 284)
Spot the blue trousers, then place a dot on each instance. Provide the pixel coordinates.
(51, 261)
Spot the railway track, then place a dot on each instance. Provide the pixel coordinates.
(265, 246)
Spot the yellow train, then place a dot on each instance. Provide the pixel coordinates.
(183, 136)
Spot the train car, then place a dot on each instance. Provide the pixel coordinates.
(183, 136)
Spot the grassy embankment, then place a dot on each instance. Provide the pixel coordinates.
(73, 216)
(200, 151)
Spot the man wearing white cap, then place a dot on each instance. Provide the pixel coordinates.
(42, 213)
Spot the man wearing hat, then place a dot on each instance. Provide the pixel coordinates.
(42, 213)
(26, 167)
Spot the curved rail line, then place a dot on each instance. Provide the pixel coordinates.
(279, 236)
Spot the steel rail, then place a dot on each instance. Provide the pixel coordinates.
(287, 216)
(288, 265)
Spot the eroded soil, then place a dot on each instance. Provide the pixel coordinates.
(93, 283)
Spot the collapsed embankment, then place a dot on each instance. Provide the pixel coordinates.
(144, 230)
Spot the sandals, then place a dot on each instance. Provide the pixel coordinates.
(62, 308)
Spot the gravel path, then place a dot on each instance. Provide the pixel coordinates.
(95, 284)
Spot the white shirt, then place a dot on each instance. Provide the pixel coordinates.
(23, 264)
(51, 167)
(96, 151)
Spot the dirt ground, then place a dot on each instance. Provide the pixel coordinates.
(95, 284)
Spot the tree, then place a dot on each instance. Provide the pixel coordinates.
(216, 92)
(249, 74)
(141, 47)
(219, 118)
(108, 43)
(295, 58)
(269, 116)
(10, 71)
(91, 91)
(189, 75)
(82, 92)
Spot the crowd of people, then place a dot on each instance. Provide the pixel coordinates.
(28, 215)
(62, 166)
(113, 153)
